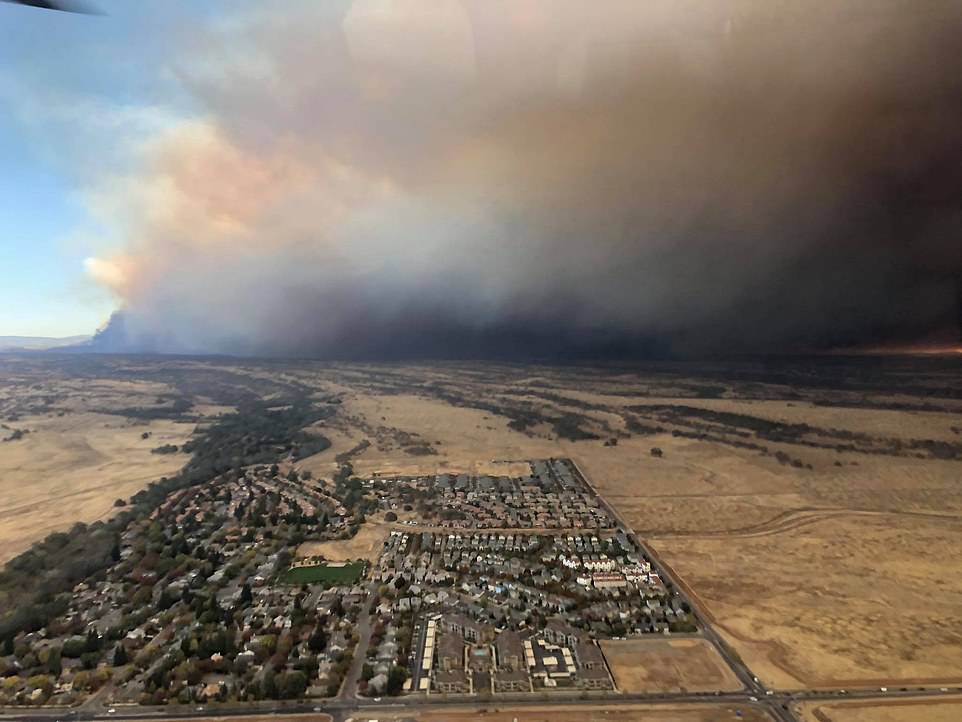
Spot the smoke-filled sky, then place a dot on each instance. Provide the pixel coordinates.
(520, 177)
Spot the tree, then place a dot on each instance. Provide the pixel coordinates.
(291, 685)
(73, 648)
(166, 601)
(89, 659)
(317, 641)
(396, 679)
(308, 665)
(268, 685)
(120, 655)
(54, 665)
(246, 596)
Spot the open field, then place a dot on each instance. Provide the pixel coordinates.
(344, 574)
(366, 544)
(470, 440)
(586, 713)
(899, 710)
(886, 422)
(662, 665)
(71, 468)
(839, 600)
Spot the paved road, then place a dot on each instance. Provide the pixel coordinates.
(418, 649)
(341, 709)
(349, 686)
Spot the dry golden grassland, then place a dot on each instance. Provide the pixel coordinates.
(80, 451)
(366, 544)
(834, 600)
(71, 468)
(899, 710)
(868, 420)
(471, 440)
(668, 665)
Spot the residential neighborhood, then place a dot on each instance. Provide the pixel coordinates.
(487, 586)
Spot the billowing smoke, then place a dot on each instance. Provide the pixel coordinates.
(531, 177)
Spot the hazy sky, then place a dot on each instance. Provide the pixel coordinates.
(445, 177)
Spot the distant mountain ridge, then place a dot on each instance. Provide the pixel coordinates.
(39, 343)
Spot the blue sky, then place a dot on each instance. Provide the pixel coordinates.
(75, 92)
(43, 291)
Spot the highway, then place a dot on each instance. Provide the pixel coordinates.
(777, 704)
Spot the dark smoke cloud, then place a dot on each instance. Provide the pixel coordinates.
(543, 178)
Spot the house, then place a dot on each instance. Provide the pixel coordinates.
(594, 679)
(558, 632)
(211, 691)
(450, 652)
(509, 651)
(589, 655)
(471, 631)
(454, 682)
(512, 681)
(608, 580)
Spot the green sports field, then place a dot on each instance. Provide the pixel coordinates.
(328, 574)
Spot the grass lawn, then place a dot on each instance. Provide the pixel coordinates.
(327, 573)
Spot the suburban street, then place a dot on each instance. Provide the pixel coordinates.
(349, 686)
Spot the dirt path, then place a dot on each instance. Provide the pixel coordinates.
(797, 518)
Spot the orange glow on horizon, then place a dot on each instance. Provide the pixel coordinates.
(910, 349)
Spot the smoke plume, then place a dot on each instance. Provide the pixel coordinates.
(531, 177)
